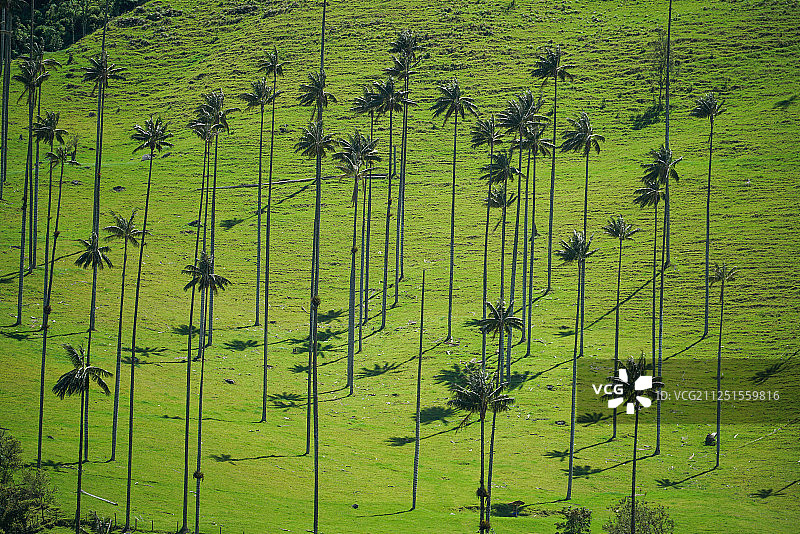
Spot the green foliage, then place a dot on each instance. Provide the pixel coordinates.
(650, 518)
(576, 521)
(26, 498)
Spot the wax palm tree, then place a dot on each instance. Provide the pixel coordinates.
(722, 274)
(259, 96)
(154, 137)
(582, 138)
(388, 99)
(619, 229)
(419, 394)
(36, 55)
(271, 65)
(637, 392)
(367, 102)
(78, 380)
(708, 107)
(208, 283)
(485, 132)
(480, 393)
(500, 321)
(30, 78)
(404, 51)
(5, 69)
(452, 102)
(356, 156)
(549, 65)
(576, 248)
(123, 229)
(314, 143)
(313, 94)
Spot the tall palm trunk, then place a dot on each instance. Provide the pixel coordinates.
(719, 364)
(655, 252)
(56, 233)
(633, 471)
(400, 207)
(482, 487)
(267, 248)
(386, 237)
(666, 131)
(35, 204)
(80, 467)
(502, 272)
(119, 352)
(258, 217)
(530, 268)
(657, 450)
(452, 235)
(708, 218)
(24, 212)
(402, 195)
(581, 271)
(133, 343)
(198, 474)
(210, 318)
(484, 295)
(552, 188)
(365, 297)
(525, 250)
(616, 325)
(5, 68)
(419, 396)
(351, 317)
(514, 255)
(45, 296)
(489, 473)
(361, 296)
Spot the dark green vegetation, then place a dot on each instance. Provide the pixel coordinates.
(254, 475)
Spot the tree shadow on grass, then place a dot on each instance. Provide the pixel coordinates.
(286, 400)
(183, 330)
(518, 379)
(378, 370)
(241, 345)
(227, 224)
(330, 316)
(621, 302)
(785, 103)
(398, 441)
(767, 493)
(773, 370)
(229, 459)
(453, 376)
(435, 413)
(582, 470)
(292, 195)
(561, 455)
(592, 418)
(17, 336)
(667, 483)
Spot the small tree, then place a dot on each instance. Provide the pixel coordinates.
(576, 521)
(650, 519)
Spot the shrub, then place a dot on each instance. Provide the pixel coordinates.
(576, 521)
(650, 519)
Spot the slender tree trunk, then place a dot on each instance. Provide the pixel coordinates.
(419, 395)
(401, 191)
(24, 213)
(657, 450)
(489, 473)
(708, 220)
(5, 43)
(452, 236)
(55, 234)
(719, 365)
(45, 299)
(351, 316)
(266, 251)
(386, 238)
(210, 318)
(633, 472)
(482, 487)
(35, 219)
(653, 321)
(80, 468)
(403, 167)
(502, 273)
(96, 217)
(581, 268)
(119, 352)
(525, 253)
(484, 295)
(198, 474)
(258, 217)
(616, 327)
(666, 131)
(552, 189)
(530, 269)
(514, 255)
(133, 342)
(361, 295)
(369, 224)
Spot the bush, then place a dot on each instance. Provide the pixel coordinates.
(26, 504)
(650, 519)
(576, 521)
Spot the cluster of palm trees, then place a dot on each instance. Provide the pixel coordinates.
(356, 155)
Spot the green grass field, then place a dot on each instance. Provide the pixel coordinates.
(256, 478)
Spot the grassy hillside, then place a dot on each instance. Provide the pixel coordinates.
(255, 476)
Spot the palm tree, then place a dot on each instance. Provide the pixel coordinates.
(259, 96)
(313, 94)
(621, 230)
(153, 136)
(485, 132)
(93, 256)
(708, 107)
(77, 380)
(30, 78)
(576, 248)
(356, 157)
(314, 143)
(36, 54)
(480, 392)
(124, 229)
(271, 65)
(500, 321)
(404, 60)
(6, 30)
(582, 138)
(637, 391)
(99, 72)
(366, 103)
(214, 112)
(500, 171)
(388, 99)
(722, 273)
(452, 102)
(46, 129)
(548, 65)
(419, 394)
(202, 278)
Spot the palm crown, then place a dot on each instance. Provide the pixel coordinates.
(479, 394)
(314, 141)
(152, 135)
(629, 373)
(37, 56)
(723, 273)
(500, 320)
(77, 379)
(581, 137)
(46, 129)
(124, 229)
(260, 94)
(60, 156)
(619, 228)
(271, 65)
(707, 107)
(314, 94)
(203, 277)
(485, 132)
(501, 169)
(498, 198)
(521, 114)
(31, 78)
(356, 156)
(406, 44)
(575, 247)
(100, 71)
(662, 167)
(452, 100)
(548, 64)
(388, 98)
(366, 102)
(93, 255)
(213, 111)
